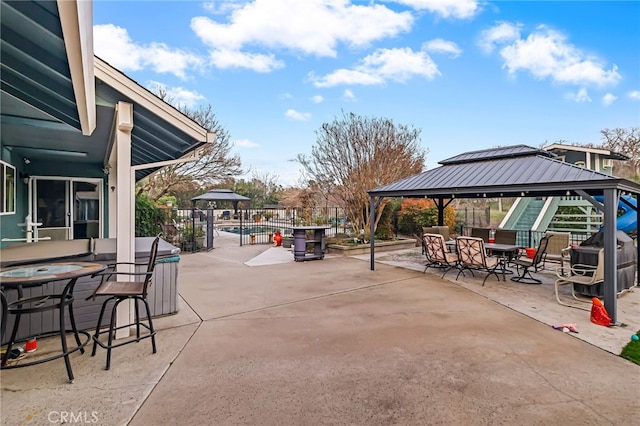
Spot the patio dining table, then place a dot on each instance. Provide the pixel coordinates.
(506, 252)
(17, 278)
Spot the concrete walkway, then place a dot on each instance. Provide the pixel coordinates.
(331, 342)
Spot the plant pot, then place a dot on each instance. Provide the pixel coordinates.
(287, 242)
(199, 242)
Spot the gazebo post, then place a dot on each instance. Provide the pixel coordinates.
(610, 284)
(372, 218)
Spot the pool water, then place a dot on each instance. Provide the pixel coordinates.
(250, 230)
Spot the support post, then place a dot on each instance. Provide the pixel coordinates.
(610, 284)
(125, 206)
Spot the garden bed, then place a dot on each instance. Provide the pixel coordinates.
(380, 246)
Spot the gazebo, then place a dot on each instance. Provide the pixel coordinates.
(518, 171)
(221, 195)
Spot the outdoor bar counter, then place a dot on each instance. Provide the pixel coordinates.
(162, 297)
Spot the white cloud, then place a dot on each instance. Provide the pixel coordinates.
(546, 53)
(224, 58)
(113, 44)
(348, 95)
(245, 143)
(445, 8)
(309, 27)
(503, 32)
(635, 94)
(297, 116)
(439, 45)
(580, 97)
(608, 99)
(178, 96)
(317, 99)
(220, 7)
(398, 64)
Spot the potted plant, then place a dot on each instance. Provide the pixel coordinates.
(189, 237)
(287, 240)
(199, 234)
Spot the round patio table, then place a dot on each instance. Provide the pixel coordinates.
(16, 278)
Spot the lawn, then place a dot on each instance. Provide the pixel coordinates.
(632, 351)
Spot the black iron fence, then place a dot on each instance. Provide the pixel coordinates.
(195, 229)
(529, 238)
(474, 217)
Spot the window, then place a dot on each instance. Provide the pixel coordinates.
(8, 188)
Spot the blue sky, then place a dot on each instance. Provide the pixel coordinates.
(470, 74)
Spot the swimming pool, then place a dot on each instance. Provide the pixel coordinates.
(250, 229)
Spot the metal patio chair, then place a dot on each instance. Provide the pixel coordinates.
(473, 257)
(120, 291)
(437, 254)
(527, 264)
(586, 275)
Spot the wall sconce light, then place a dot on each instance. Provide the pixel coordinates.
(113, 188)
(26, 160)
(106, 169)
(24, 178)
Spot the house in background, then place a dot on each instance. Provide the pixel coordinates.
(600, 160)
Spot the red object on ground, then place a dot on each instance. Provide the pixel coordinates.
(531, 252)
(31, 345)
(599, 314)
(277, 238)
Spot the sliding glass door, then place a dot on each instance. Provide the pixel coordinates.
(66, 208)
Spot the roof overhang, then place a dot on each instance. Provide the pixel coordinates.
(47, 64)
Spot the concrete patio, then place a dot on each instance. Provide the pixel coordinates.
(261, 339)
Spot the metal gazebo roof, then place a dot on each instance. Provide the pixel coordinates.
(518, 171)
(221, 195)
(512, 171)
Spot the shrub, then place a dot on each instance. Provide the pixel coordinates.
(149, 218)
(386, 229)
(418, 212)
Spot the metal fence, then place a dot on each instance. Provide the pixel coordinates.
(529, 238)
(195, 229)
(474, 217)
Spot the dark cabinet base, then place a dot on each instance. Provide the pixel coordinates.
(308, 247)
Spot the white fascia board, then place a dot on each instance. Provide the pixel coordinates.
(576, 148)
(76, 19)
(141, 96)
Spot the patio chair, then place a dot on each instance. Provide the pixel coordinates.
(120, 291)
(438, 255)
(527, 264)
(472, 256)
(481, 233)
(505, 236)
(586, 275)
(442, 230)
(557, 248)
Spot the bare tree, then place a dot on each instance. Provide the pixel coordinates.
(627, 142)
(355, 154)
(216, 163)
